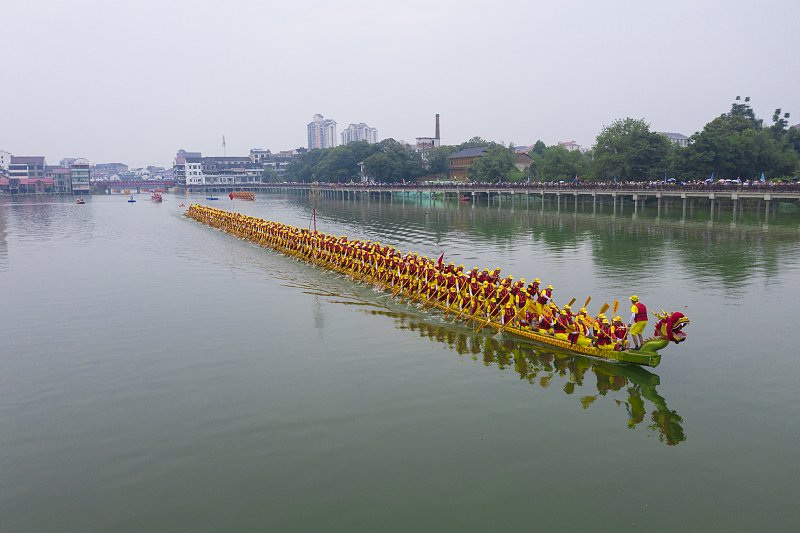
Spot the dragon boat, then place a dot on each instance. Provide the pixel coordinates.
(276, 236)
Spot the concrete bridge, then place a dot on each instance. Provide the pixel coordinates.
(525, 193)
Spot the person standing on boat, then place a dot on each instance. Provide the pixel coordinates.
(544, 297)
(638, 321)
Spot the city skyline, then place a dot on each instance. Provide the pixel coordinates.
(677, 66)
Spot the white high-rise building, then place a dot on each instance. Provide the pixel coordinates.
(321, 133)
(360, 132)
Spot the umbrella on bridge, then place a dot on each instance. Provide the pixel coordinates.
(671, 179)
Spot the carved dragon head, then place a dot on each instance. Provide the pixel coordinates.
(670, 326)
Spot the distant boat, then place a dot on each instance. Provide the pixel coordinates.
(80, 201)
(156, 197)
(212, 198)
(131, 200)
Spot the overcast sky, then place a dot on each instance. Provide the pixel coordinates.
(133, 82)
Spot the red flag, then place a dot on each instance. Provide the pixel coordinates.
(231, 196)
(441, 258)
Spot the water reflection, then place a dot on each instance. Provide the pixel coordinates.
(628, 386)
(728, 247)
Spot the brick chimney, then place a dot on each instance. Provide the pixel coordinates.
(437, 125)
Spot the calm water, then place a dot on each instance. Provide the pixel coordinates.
(158, 375)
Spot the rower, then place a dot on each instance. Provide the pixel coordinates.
(620, 334)
(561, 326)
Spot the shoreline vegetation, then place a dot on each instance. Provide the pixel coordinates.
(734, 145)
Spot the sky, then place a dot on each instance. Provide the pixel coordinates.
(134, 82)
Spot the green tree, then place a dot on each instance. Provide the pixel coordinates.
(538, 148)
(436, 159)
(732, 146)
(268, 175)
(394, 162)
(493, 166)
(629, 150)
(560, 164)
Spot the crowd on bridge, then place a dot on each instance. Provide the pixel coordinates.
(668, 186)
(481, 295)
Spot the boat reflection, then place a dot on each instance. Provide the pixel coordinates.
(629, 386)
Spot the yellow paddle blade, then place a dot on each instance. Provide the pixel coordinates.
(616, 306)
(604, 308)
(571, 302)
(589, 299)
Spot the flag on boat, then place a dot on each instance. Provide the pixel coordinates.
(230, 196)
(441, 260)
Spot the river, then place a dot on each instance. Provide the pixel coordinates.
(160, 375)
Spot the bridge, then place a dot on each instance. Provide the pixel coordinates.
(522, 193)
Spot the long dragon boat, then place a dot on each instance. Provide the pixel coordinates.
(334, 253)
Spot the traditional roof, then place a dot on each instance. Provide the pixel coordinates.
(470, 152)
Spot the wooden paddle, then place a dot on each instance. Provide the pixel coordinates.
(504, 326)
(477, 310)
(488, 319)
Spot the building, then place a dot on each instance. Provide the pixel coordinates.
(522, 161)
(426, 143)
(5, 159)
(321, 133)
(359, 132)
(110, 168)
(678, 139)
(24, 167)
(571, 146)
(79, 174)
(62, 179)
(459, 162)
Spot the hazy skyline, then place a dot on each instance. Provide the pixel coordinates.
(135, 82)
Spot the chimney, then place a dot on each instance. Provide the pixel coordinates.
(437, 125)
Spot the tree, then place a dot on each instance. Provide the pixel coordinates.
(393, 162)
(560, 164)
(732, 146)
(268, 175)
(629, 150)
(494, 165)
(436, 159)
(538, 148)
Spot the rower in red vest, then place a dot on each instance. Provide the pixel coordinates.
(484, 276)
(639, 321)
(561, 326)
(494, 277)
(545, 323)
(544, 297)
(604, 336)
(620, 334)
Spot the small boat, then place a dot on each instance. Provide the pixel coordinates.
(131, 200)
(156, 197)
(212, 198)
(80, 201)
(464, 198)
